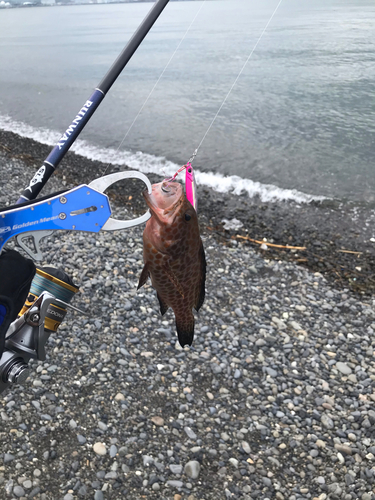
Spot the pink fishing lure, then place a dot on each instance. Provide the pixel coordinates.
(190, 186)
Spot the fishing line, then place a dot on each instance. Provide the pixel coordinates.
(158, 80)
(226, 97)
(234, 83)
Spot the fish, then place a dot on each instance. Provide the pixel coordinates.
(174, 256)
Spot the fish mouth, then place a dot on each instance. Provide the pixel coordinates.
(164, 199)
(165, 187)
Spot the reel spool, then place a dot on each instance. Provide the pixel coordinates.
(59, 284)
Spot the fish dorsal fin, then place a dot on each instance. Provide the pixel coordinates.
(163, 305)
(202, 288)
(144, 276)
(173, 278)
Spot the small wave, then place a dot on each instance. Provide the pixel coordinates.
(266, 192)
(148, 163)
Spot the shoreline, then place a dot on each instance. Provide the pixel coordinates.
(336, 236)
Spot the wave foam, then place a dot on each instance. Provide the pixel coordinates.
(148, 163)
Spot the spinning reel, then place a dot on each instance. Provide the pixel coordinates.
(41, 315)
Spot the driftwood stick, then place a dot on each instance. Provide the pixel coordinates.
(5, 148)
(288, 247)
(350, 251)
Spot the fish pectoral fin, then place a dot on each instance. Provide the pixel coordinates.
(185, 331)
(163, 305)
(173, 278)
(202, 284)
(144, 276)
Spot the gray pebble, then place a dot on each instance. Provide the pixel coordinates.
(175, 469)
(112, 451)
(81, 439)
(349, 479)
(72, 424)
(260, 342)
(147, 460)
(246, 447)
(175, 484)
(367, 496)
(34, 492)
(127, 306)
(343, 368)
(36, 405)
(239, 313)
(18, 491)
(102, 426)
(8, 457)
(82, 491)
(327, 422)
(9, 486)
(190, 433)
(192, 469)
(271, 372)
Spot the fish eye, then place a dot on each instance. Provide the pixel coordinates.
(187, 217)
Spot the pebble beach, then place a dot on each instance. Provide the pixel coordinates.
(275, 399)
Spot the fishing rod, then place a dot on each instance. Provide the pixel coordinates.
(85, 113)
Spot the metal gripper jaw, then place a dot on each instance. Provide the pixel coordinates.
(84, 208)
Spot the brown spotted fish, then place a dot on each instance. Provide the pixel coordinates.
(174, 256)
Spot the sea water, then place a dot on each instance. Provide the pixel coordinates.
(299, 123)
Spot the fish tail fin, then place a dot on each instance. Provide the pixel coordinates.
(185, 331)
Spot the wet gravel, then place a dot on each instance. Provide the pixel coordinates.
(275, 399)
(339, 237)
